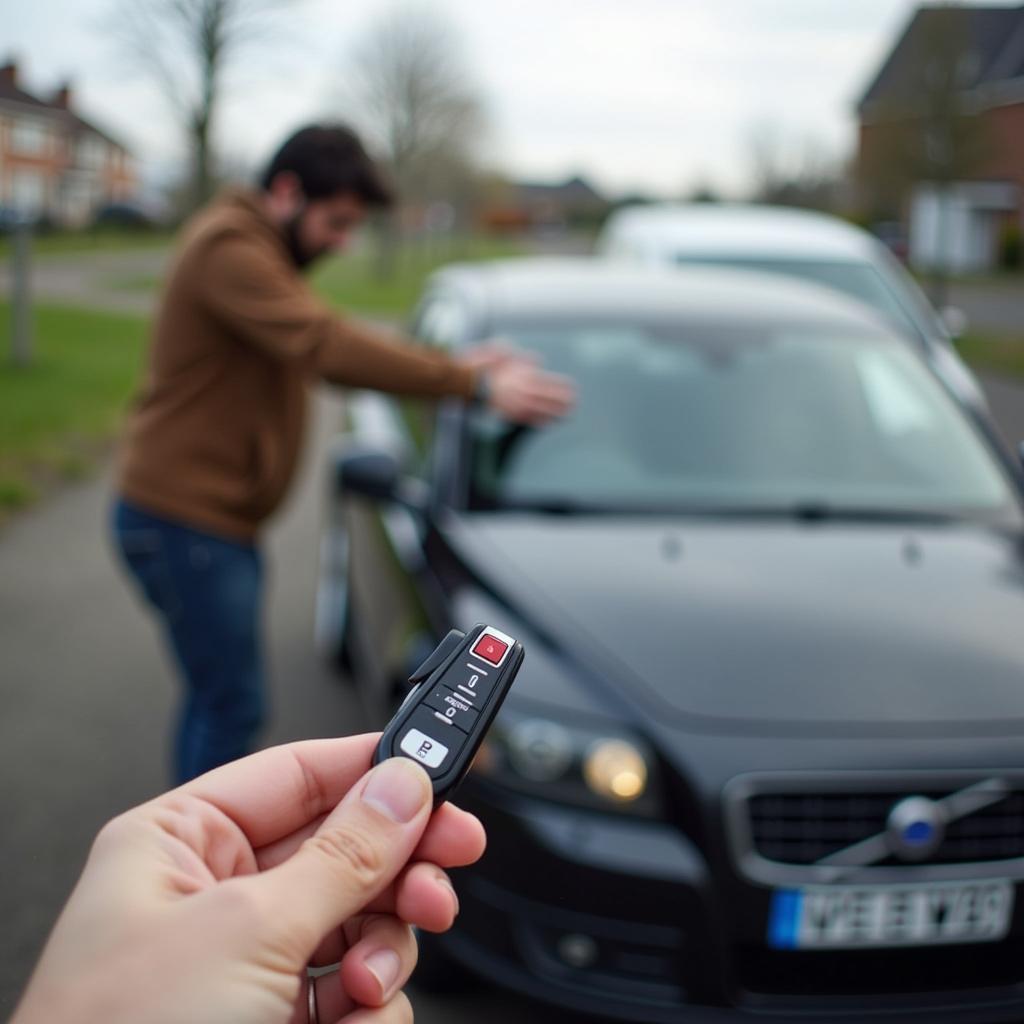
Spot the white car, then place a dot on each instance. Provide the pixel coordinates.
(798, 243)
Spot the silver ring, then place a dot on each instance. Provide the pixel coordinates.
(314, 1013)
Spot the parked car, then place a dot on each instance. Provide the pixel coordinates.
(11, 219)
(798, 243)
(126, 216)
(764, 757)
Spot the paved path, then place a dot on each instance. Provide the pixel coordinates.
(1006, 400)
(996, 308)
(100, 280)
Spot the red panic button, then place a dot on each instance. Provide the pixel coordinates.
(490, 648)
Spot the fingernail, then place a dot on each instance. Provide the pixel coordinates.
(398, 789)
(455, 896)
(384, 965)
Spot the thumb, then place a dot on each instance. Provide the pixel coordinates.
(356, 853)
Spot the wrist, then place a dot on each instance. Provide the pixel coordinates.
(481, 396)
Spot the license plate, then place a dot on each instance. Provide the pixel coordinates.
(872, 916)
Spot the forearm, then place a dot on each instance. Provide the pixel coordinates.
(364, 355)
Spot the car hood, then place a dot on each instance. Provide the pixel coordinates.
(771, 622)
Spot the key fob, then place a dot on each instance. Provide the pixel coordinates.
(457, 692)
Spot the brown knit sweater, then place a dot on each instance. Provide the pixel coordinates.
(238, 338)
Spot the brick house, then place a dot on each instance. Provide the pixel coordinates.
(527, 205)
(53, 162)
(959, 227)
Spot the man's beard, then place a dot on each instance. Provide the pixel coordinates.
(301, 257)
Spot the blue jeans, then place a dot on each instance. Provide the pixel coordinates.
(207, 592)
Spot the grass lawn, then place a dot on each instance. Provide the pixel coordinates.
(74, 242)
(352, 281)
(56, 414)
(998, 353)
(146, 283)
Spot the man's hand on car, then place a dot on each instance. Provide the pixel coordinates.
(516, 386)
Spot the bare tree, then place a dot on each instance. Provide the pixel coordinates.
(186, 47)
(766, 154)
(803, 173)
(411, 94)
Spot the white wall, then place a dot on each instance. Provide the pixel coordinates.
(956, 229)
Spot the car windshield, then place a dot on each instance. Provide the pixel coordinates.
(860, 281)
(761, 418)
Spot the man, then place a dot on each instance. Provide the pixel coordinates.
(212, 444)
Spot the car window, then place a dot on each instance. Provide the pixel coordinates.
(740, 416)
(857, 280)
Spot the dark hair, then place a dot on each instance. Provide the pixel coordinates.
(329, 159)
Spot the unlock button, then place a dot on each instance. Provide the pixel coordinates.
(458, 708)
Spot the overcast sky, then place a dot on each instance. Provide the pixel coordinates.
(658, 95)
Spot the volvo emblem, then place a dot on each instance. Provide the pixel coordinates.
(915, 828)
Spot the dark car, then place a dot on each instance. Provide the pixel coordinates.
(123, 215)
(765, 758)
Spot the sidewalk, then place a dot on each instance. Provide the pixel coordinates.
(1006, 400)
(117, 281)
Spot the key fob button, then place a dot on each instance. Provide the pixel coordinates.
(458, 708)
(490, 648)
(430, 739)
(423, 748)
(470, 681)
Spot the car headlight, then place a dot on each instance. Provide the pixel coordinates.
(615, 769)
(582, 765)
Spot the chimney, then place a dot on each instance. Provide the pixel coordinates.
(62, 97)
(9, 73)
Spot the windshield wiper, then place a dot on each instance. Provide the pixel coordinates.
(555, 506)
(822, 511)
(809, 511)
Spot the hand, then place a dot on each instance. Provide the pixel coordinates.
(518, 388)
(495, 352)
(208, 903)
(523, 393)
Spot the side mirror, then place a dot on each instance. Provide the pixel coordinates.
(377, 474)
(955, 320)
(372, 473)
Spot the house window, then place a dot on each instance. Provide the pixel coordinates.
(28, 192)
(92, 152)
(30, 138)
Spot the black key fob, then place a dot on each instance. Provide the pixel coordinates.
(457, 692)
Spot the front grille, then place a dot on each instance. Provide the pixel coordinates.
(801, 828)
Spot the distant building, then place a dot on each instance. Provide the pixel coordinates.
(53, 163)
(536, 205)
(958, 227)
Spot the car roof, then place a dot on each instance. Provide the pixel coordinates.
(668, 230)
(507, 291)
